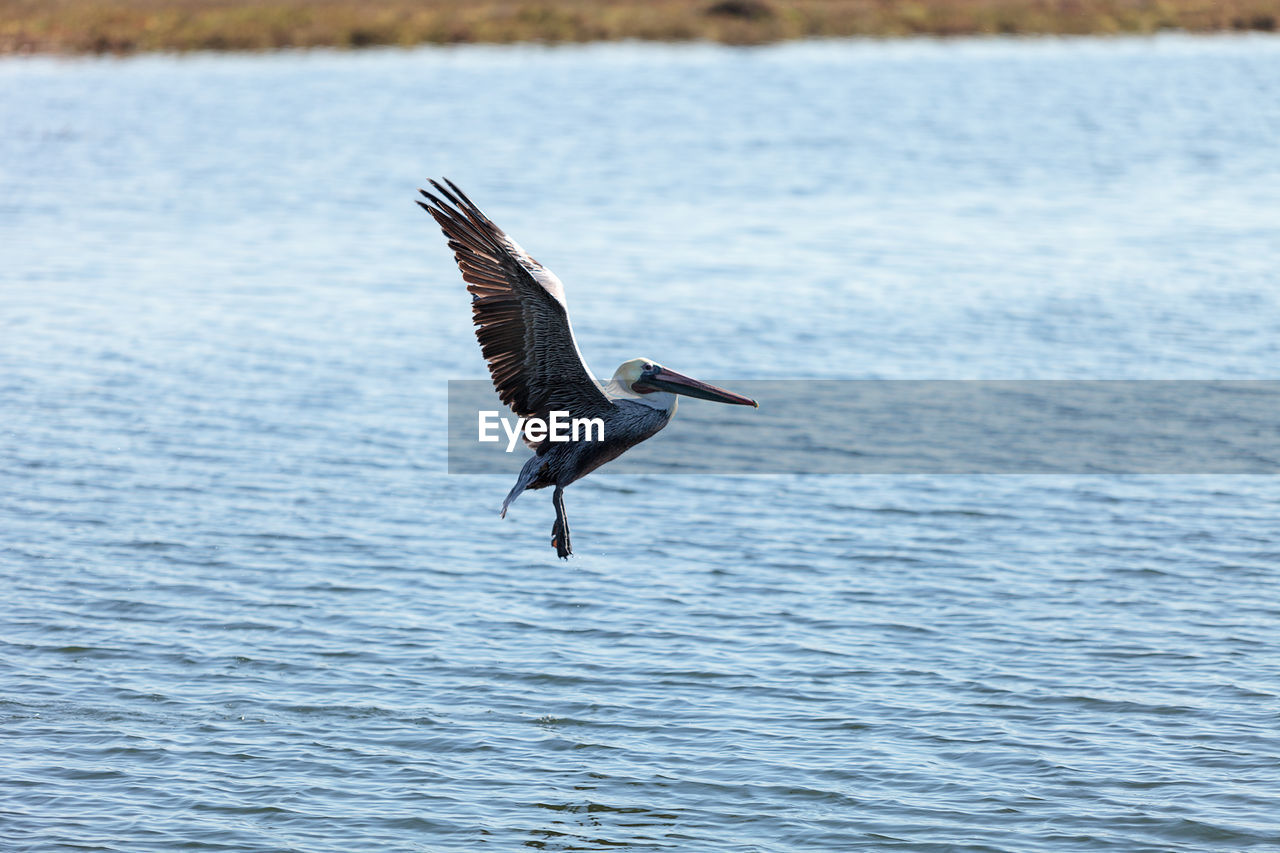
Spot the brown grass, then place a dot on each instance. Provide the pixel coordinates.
(124, 26)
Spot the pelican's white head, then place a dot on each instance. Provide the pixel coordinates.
(651, 383)
(630, 371)
(630, 374)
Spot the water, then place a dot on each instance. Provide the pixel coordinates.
(245, 609)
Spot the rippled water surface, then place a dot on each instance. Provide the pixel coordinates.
(245, 609)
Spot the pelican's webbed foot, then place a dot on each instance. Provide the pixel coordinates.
(560, 530)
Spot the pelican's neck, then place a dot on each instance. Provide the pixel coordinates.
(662, 400)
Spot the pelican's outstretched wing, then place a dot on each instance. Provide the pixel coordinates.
(520, 314)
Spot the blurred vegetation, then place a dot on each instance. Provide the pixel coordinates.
(123, 26)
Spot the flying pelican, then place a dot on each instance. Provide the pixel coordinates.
(522, 321)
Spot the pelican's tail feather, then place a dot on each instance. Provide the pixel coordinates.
(511, 496)
(528, 474)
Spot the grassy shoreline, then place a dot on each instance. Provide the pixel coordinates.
(128, 26)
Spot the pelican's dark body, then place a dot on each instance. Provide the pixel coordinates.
(522, 322)
(560, 463)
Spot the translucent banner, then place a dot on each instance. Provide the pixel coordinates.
(927, 427)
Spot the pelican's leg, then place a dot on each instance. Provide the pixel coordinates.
(560, 532)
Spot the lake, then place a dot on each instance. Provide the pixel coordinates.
(245, 607)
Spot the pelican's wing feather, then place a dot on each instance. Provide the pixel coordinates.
(519, 309)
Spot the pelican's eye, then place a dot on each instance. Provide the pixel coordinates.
(647, 368)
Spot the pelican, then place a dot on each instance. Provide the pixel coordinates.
(522, 321)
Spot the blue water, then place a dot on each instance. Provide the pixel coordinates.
(245, 609)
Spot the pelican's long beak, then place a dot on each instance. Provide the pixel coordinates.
(678, 383)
